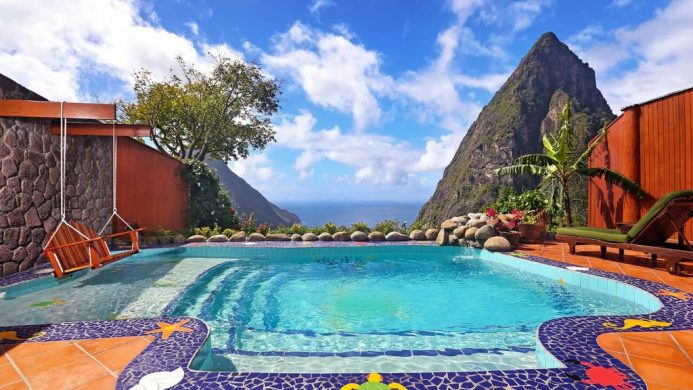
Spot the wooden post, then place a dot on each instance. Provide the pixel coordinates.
(631, 161)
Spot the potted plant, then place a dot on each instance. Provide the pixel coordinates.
(507, 225)
(531, 228)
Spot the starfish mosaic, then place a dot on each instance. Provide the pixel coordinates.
(682, 295)
(167, 329)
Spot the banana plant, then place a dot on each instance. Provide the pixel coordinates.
(561, 163)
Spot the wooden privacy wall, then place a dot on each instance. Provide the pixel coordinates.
(652, 143)
(151, 191)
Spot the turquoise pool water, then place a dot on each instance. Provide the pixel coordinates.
(333, 310)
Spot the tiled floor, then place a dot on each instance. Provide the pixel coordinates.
(81, 364)
(663, 359)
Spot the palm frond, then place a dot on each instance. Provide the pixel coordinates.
(521, 169)
(541, 160)
(615, 178)
(548, 146)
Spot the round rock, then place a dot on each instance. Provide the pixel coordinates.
(218, 238)
(497, 244)
(470, 232)
(325, 236)
(296, 237)
(196, 238)
(396, 236)
(341, 236)
(179, 239)
(417, 235)
(448, 224)
(431, 234)
(477, 223)
(359, 236)
(277, 237)
(310, 237)
(238, 237)
(484, 233)
(376, 236)
(256, 237)
(459, 232)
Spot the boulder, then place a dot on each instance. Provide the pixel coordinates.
(459, 232)
(475, 244)
(431, 234)
(443, 237)
(474, 215)
(460, 220)
(309, 237)
(417, 235)
(396, 236)
(497, 244)
(277, 237)
(238, 237)
(452, 240)
(477, 223)
(448, 224)
(492, 221)
(470, 232)
(484, 233)
(255, 237)
(359, 236)
(196, 238)
(341, 236)
(296, 237)
(218, 238)
(325, 236)
(376, 236)
(179, 239)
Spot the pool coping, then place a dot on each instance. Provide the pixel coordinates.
(569, 340)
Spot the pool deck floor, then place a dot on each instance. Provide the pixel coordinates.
(664, 359)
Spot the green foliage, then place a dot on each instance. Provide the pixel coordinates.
(561, 165)
(222, 114)
(207, 231)
(391, 225)
(360, 226)
(228, 232)
(330, 227)
(247, 224)
(527, 200)
(297, 228)
(417, 225)
(262, 228)
(208, 202)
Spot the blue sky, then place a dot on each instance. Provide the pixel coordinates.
(377, 94)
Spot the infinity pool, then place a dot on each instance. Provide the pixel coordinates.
(333, 310)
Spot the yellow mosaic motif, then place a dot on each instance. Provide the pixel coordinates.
(374, 383)
(633, 322)
(167, 329)
(676, 294)
(11, 335)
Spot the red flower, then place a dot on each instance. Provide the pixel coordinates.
(491, 212)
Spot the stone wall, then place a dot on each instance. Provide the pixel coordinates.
(30, 183)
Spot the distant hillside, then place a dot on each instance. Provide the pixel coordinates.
(247, 199)
(512, 123)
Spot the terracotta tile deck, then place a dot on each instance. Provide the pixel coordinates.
(80, 364)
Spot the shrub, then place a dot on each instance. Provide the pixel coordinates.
(297, 228)
(228, 232)
(390, 225)
(247, 224)
(330, 228)
(527, 200)
(360, 226)
(209, 202)
(417, 225)
(262, 228)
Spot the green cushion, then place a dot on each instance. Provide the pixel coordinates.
(610, 235)
(655, 209)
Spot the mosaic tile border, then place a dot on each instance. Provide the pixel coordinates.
(568, 340)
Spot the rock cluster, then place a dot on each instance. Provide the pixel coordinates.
(475, 230)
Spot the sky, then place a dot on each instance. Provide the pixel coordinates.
(377, 94)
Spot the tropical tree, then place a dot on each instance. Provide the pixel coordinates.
(561, 164)
(223, 114)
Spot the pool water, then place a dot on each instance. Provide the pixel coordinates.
(326, 311)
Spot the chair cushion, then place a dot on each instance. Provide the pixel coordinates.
(655, 209)
(610, 235)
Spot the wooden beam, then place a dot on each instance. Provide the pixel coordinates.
(39, 109)
(104, 129)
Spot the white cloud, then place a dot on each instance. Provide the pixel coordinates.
(52, 49)
(194, 28)
(333, 71)
(638, 63)
(255, 169)
(317, 5)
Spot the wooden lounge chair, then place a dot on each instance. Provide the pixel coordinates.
(649, 235)
(72, 252)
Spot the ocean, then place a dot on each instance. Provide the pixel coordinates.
(347, 213)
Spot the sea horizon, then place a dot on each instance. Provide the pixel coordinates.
(318, 213)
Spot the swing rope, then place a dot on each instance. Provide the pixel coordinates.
(114, 174)
(63, 159)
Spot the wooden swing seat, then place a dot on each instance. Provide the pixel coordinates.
(72, 252)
